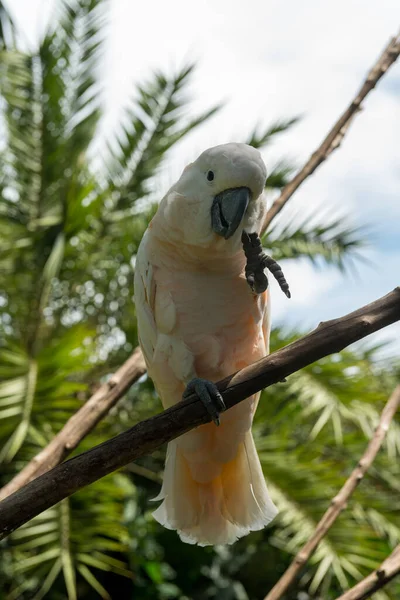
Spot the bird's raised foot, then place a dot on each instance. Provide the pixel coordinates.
(257, 261)
(209, 395)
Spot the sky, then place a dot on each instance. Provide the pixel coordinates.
(267, 60)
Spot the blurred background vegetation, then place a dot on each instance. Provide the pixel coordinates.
(70, 226)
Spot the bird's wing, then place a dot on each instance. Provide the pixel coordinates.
(145, 291)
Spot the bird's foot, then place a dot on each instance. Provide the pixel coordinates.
(209, 395)
(257, 261)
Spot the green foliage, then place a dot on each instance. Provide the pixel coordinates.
(7, 28)
(154, 123)
(261, 139)
(315, 435)
(78, 536)
(281, 172)
(69, 230)
(331, 242)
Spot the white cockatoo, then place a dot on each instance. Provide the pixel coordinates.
(201, 318)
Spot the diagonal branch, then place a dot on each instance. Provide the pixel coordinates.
(69, 477)
(376, 580)
(339, 130)
(81, 423)
(339, 502)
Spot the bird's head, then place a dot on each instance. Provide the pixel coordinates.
(217, 197)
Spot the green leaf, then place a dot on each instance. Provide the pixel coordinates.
(154, 123)
(7, 28)
(16, 440)
(153, 570)
(280, 175)
(48, 582)
(333, 243)
(66, 559)
(261, 139)
(33, 561)
(93, 582)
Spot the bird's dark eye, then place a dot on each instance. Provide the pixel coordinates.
(210, 175)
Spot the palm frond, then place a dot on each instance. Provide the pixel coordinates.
(78, 537)
(21, 168)
(69, 59)
(334, 243)
(280, 175)
(260, 139)
(302, 485)
(37, 391)
(310, 432)
(7, 28)
(338, 392)
(154, 122)
(282, 170)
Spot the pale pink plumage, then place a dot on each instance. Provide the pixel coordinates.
(197, 317)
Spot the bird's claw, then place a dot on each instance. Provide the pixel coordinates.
(257, 261)
(209, 395)
(257, 280)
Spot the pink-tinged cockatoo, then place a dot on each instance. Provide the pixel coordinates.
(201, 318)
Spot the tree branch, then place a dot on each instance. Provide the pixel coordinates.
(69, 477)
(81, 423)
(339, 130)
(376, 580)
(339, 502)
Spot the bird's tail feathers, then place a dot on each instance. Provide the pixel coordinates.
(219, 511)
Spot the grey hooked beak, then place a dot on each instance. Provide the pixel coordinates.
(228, 209)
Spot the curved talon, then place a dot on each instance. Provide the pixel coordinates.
(209, 395)
(258, 281)
(276, 270)
(250, 279)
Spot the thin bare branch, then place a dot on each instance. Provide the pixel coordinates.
(376, 580)
(67, 478)
(81, 423)
(339, 130)
(339, 502)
